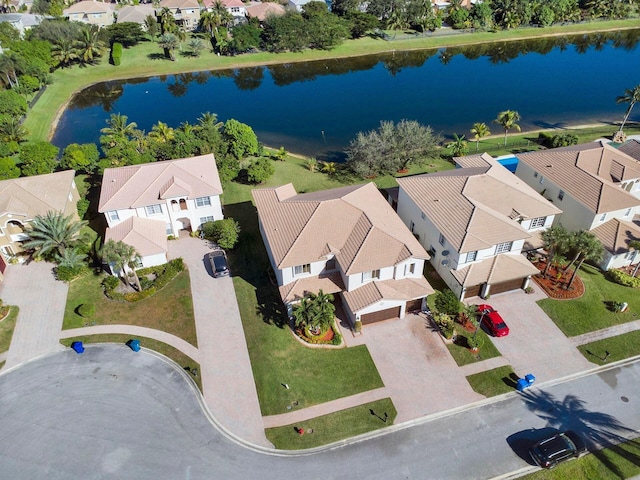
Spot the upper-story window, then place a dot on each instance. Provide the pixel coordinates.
(538, 222)
(423, 215)
(541, 179)
(203, 202)
(153, 209)
(627, 212)
(113, 216)
(504, 247)
(471, 256)
(441, 240)
(409, 269)
(331, 264)
(560, 195)
(603, 217)
(372, 275)
(302, 269)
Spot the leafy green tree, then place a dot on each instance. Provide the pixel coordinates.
(508, 120)
(82, 158)
(631, 96)
(458, 146)
(65, 52)
(245, 37)
(324, 30)
(260, 170)
(90, 47)
(50, 235)
(38, 158)
(459, 16)
(556, 242)
(447, 302)
(360, 23)
(8, 33)
(635, 246)
(51, 30)
(8, 168)
(12, 104)
(168, 42)
(121, 255)
(286, 32)
(151, 26)
(224, 232)
(481, 15)
(480, 130)
(126, 33)
(588, 248)
(242, 140)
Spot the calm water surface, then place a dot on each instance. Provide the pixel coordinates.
(316, 108)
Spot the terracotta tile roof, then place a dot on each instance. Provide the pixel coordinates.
(373, 292)
(354, 223)
(588, 173)
(295, 291)
(146, 235)
(477, 207)
(142, 185)
(89, 6)
(181, 4)
(36, 195)
(500, 268)
(262, 10)
(615, 235)
(631, 148)
(232, 3)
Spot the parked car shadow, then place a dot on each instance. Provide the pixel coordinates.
(521, 442)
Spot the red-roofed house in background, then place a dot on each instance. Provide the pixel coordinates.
(144, 204)
(345, 241)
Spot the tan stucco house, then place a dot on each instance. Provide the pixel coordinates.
(186, 12)
(91, 12)
(347, 241)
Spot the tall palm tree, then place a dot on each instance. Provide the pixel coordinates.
(121, 255)
(479, 130)
(10, 67)
(591, 249)
(52, 234)
(208, 121)
(508, 119)
(458, 146)
(118, 128)
(64, 52)
(167, 21)
(161, 132)
(11, 130)
(556, 242)
(168, 42)
(631, 96)
(90, 46)
(208, 23)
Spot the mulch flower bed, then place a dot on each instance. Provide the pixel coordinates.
(554, 284)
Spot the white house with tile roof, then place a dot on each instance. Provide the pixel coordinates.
(172, 196)
(345, 241)
(475, 222)
(22, 199)
(597, 187)
(91, 12)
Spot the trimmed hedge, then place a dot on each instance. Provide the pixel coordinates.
(622, 278)
(164, 274)
(67, 274)
(116, 53)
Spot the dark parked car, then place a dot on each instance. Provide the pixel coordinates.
(219, 264)
(492, 320)
(547, 453)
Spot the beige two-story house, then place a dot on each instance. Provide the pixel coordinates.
(185, 12)
(91, 12)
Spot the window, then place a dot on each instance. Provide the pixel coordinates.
(541, 180)
(113, 216)
(412, 226)
(410, 269)
(560, 194)
(471, 256)
(603, 217)
(206, 219)
(538, 222)
(302, 269)
(441, 240)
(153, 209)
(504, 247)
(203, 202)
(169, 229)
(627, 212)
(372, 275)
(423, 216)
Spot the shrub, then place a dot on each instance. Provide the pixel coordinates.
(622, 278)
(223, 232)
(445, 324)
(137, 296)
(260, 170)
(83, 206)
(110, 283)
(66, 274)
(447, 302)
(116, 54)
(87, 310)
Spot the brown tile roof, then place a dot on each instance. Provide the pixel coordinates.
(500, 268)
(37, 195)
(373, 292)
(615, 235)
(262, 10)
(146, 235)
(147, 184)
(631, 148)
(295, 291)
(354, 223)
(477, 207)
(588, 173)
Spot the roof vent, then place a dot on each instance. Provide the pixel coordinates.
(549, 166)
(445, 263)
(445, 253)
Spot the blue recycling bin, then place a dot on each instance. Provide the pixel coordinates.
(522, 384)
(530, 379)
(77, 347)
(134, 345)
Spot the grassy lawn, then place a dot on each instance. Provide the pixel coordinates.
(463, 356)
(174, 354)
(621, 461)
(6, 329)
(336, 426)
(143, 60)
(619, 348)
(589, 312)
(169, 310)
(494, 382)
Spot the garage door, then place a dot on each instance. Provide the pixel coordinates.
(414, 305)
(473, 291)
(506, 286)
(380, 315)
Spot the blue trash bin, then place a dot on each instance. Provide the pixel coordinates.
(134, 345)
(522, 384)
(530, 379)
(77, 347)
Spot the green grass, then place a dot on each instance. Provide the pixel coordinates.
(493, 382)
(174, 354)
(141, 61)
(621, 461)
(333, 427)
(589, 312)
(169, 310)
(463, 356)
(6, 329)
(619, 347)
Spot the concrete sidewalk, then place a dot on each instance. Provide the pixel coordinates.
(605, 333)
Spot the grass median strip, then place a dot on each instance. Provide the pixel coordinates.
(612, 349)
(7, 326)
(494, 382)
(335, 426)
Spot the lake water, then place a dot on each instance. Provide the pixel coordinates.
(316, 108)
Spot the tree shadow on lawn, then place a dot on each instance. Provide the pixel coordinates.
(156, 56)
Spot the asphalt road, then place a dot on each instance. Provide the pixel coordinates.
(113, 413)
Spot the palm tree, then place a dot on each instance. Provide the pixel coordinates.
(121, 255)
(208, 121)
(329, 168)
(187, 128)
(556, 241)
(315, 311)
(167, 21)
(196, 46)
(459, 146)
(591, 249)
(52, 234)
(11, 130)
(631, 96)
(118, 128)
(635, 245)
(479, 130)
(161, 132)
(64, 52)
(168, 42)
(208, 23)
(89, 45)
(508, 119)
(71, 258)
(10, 67)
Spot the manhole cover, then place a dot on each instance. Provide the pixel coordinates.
(624, 399)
